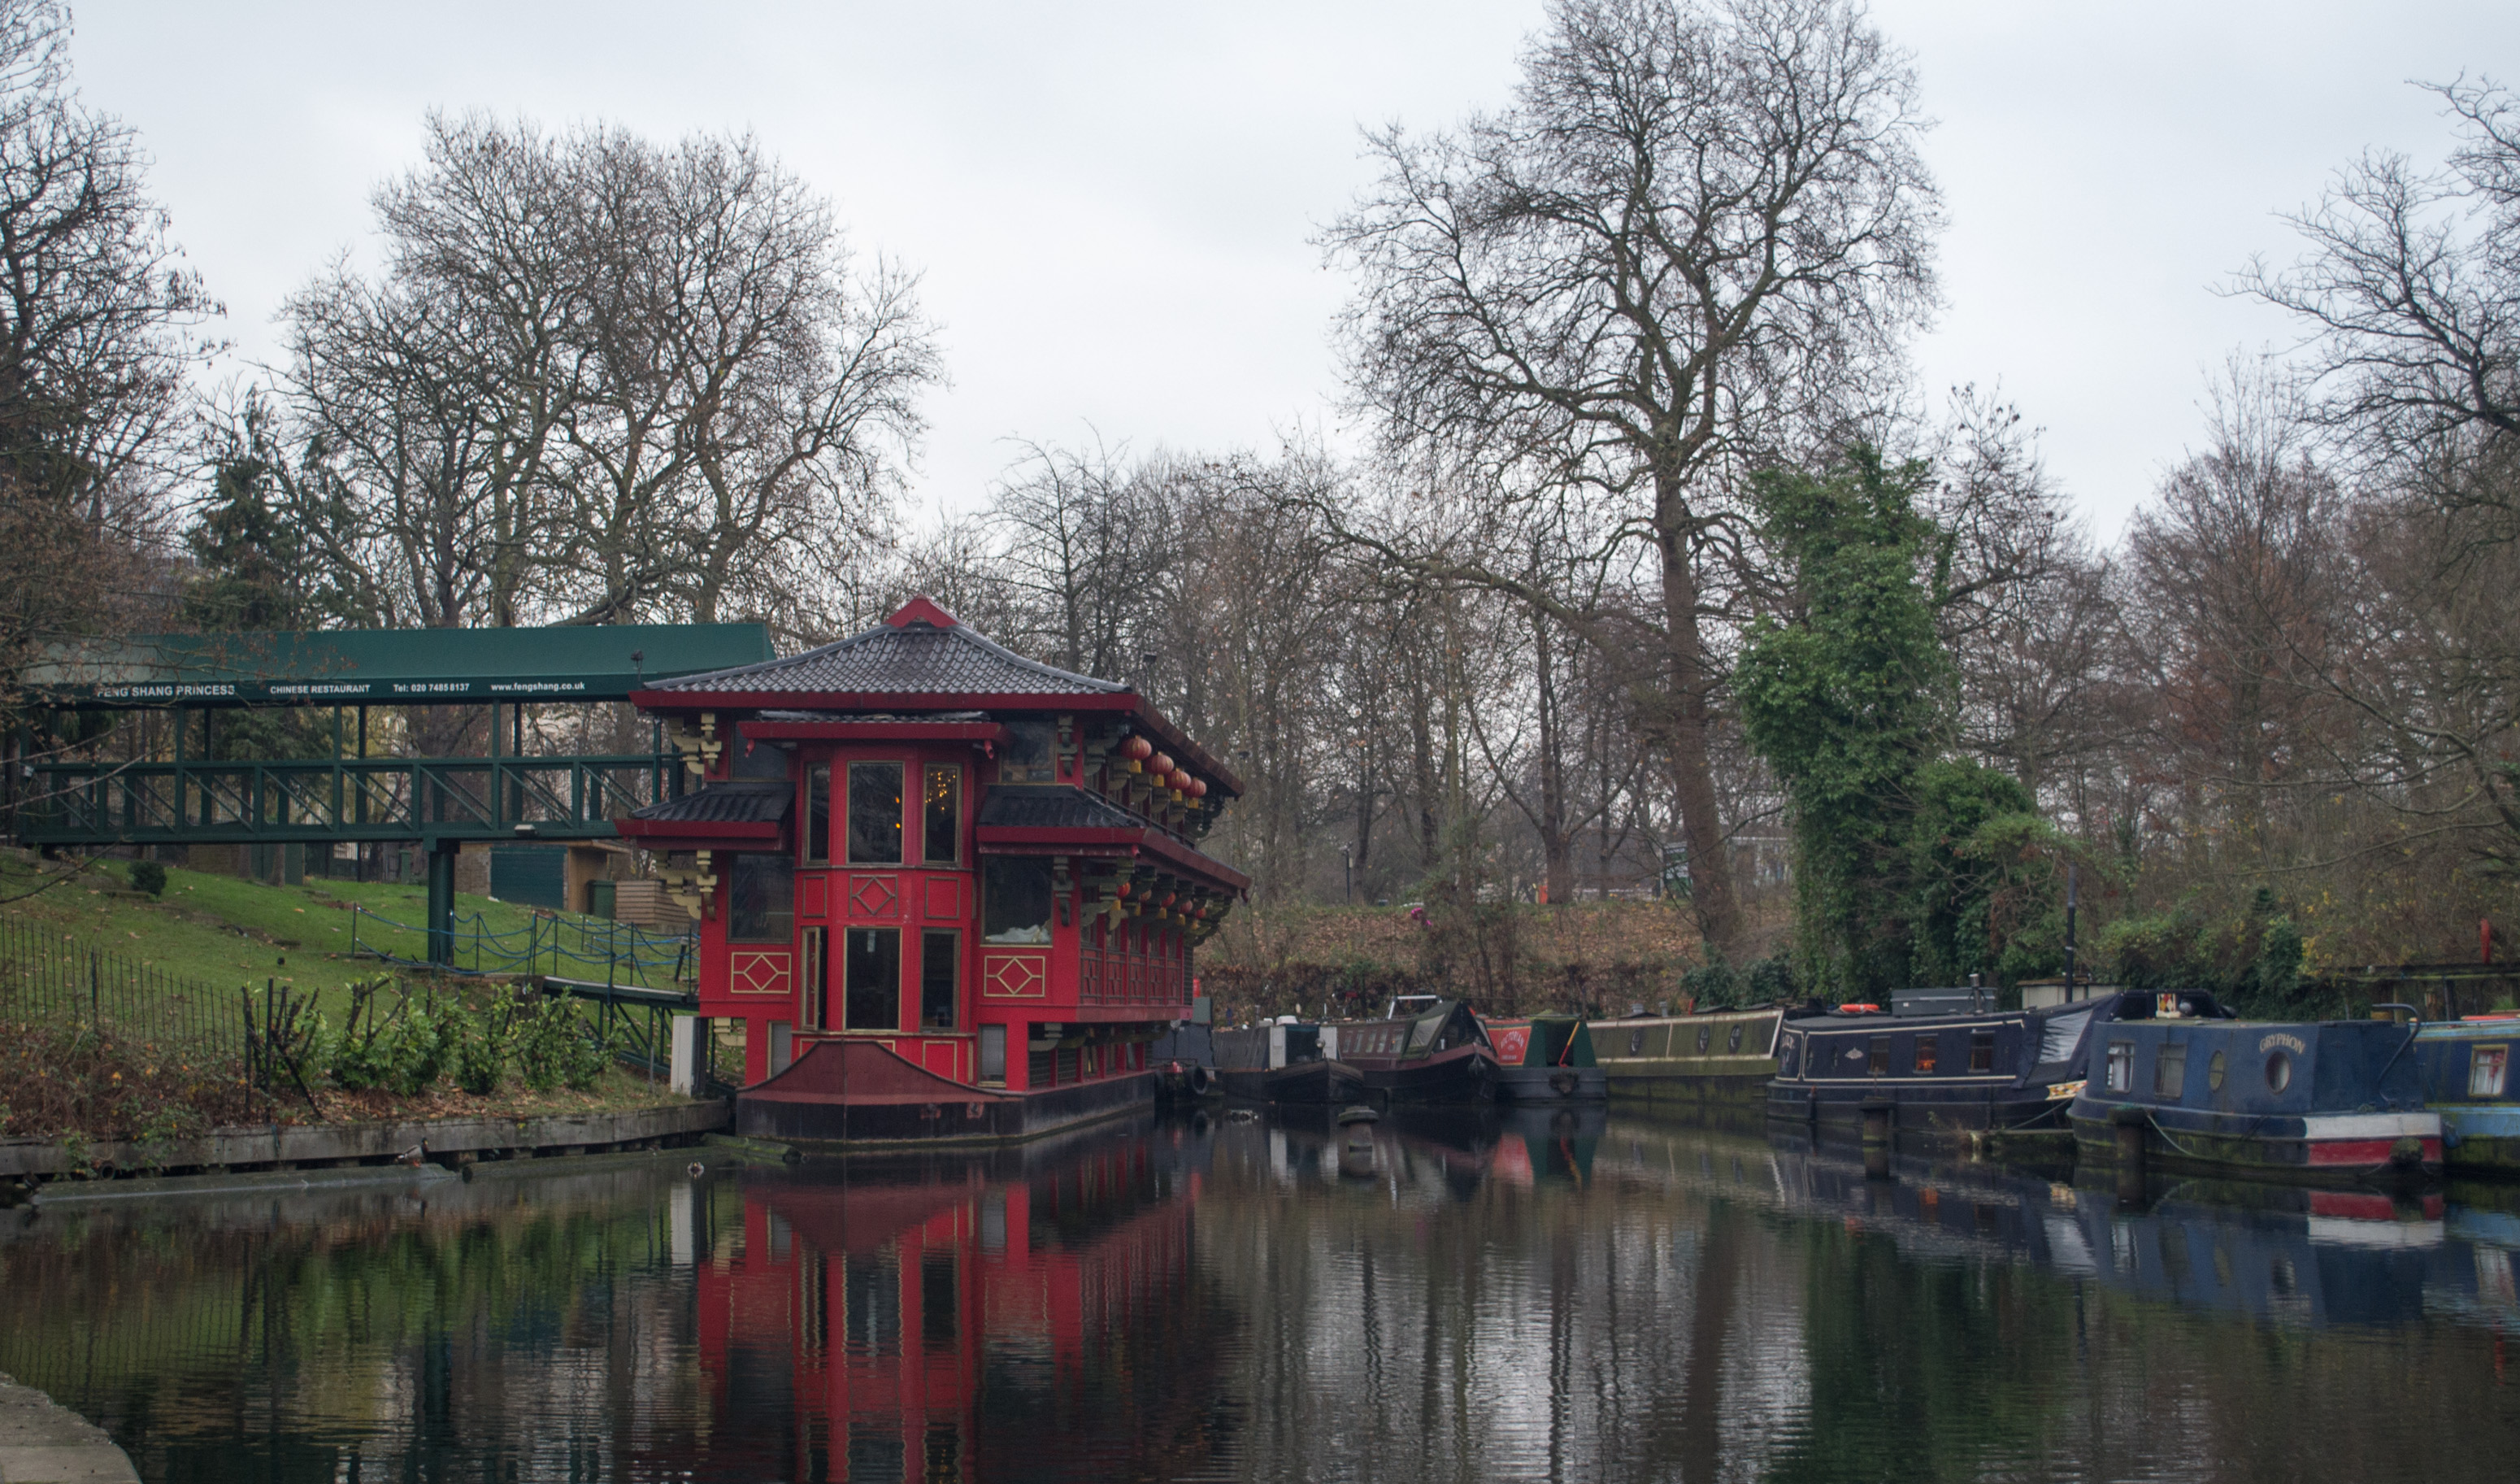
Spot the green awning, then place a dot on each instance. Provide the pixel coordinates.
(389, 667)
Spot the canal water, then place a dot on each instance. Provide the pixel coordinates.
(1473, 1296)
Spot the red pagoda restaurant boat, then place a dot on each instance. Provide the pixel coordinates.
(949, 893)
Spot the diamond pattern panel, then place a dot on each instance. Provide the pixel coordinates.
(753, 971)
(875, 896)
(1015, 977)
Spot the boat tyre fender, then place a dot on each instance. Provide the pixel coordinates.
(1201, 1080)
(1562, 1084)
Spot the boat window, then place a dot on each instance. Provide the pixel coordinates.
(1015, 899)
(941, 811)
(1928, 1050)
(873, 978)
(874, 813)
(810, 976)
(1878, 1061)
(818, 814)
(1982, 1050)
(1785, 1061)
(2060, 1034)
(1733, 1043)
(1025, 756)
(761, 899)
(2278, 1072)
(2121, 1073)
(2214, 1071)
(993, 1053)
(1705, 1037)
(940, 978)
(2170, 1069)
(2485, 1067)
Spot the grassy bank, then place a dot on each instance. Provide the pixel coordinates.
(163, 1057)
(223, 931)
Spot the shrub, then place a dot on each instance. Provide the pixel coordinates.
(149, 876)
(401, 1050)
(484, 1035)
(1713, 985)
(1771, 982)
(552, 1046)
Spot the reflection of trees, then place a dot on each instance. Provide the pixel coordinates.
(305, 1336)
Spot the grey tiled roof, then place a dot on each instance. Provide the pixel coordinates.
(918, 659)
(1065, 807)
(741, 801)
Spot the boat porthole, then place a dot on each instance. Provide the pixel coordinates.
(2214, 1072)
(1705, 1037)
(1733, 1043)
(2278, 1072)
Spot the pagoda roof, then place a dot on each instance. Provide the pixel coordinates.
(746, 809)
(921, 659)
(920, 651)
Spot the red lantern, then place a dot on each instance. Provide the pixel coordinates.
(1181, 779)
(1169, 898)
(1198, 787)
(1137, 749)
(1162, 764)
(1123, 892)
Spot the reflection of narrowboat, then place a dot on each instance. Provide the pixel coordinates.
(2336, 1100)
(1936, 1075)
(2464, 1068)
(1286, 1062)
(1718, 1060)
(1545, 1059)
(1426, 1050)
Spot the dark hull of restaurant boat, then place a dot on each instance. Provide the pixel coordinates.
(2206, 1096)
(1457, 1074)
(1553, 1084)
(851, 1094)
(1306, 1082)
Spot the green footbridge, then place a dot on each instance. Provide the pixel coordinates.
(172, 789)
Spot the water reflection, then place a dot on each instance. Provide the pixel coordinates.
(1557, 1294)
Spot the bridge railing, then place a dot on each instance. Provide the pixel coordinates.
(344, 800)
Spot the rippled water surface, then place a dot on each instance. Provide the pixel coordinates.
(1471, 1297)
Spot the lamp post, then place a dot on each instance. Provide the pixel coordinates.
(1347, 869)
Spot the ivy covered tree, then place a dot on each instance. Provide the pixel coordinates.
(1911, 865)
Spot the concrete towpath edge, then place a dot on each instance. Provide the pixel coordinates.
(42, 1441)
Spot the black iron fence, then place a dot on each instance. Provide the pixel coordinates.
(111, 1044)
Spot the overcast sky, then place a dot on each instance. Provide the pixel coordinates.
(1112, 205)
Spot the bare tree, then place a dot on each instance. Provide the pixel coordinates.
(1699, 234)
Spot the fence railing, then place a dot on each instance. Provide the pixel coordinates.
(114, 1028)
(596, 950)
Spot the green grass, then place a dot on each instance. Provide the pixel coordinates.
(221, 931)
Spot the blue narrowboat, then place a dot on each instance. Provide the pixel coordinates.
(2333, 1102)
(2465, 1069)
(1935, 1076)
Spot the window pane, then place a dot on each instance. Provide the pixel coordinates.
(1015, 899)
(1927, 1049)
(942, 842)
(993, 1053)
(940, 976)
(818, 814)
(2121, 1072)
(810, 973)
(2170, 1071)
(1024, 757)
(874, 813)
(760, 899)
(874, 978)
(2486, 1071)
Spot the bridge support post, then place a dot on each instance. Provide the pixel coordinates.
(441, 900)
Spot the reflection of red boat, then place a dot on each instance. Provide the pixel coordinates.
(845, 1325)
